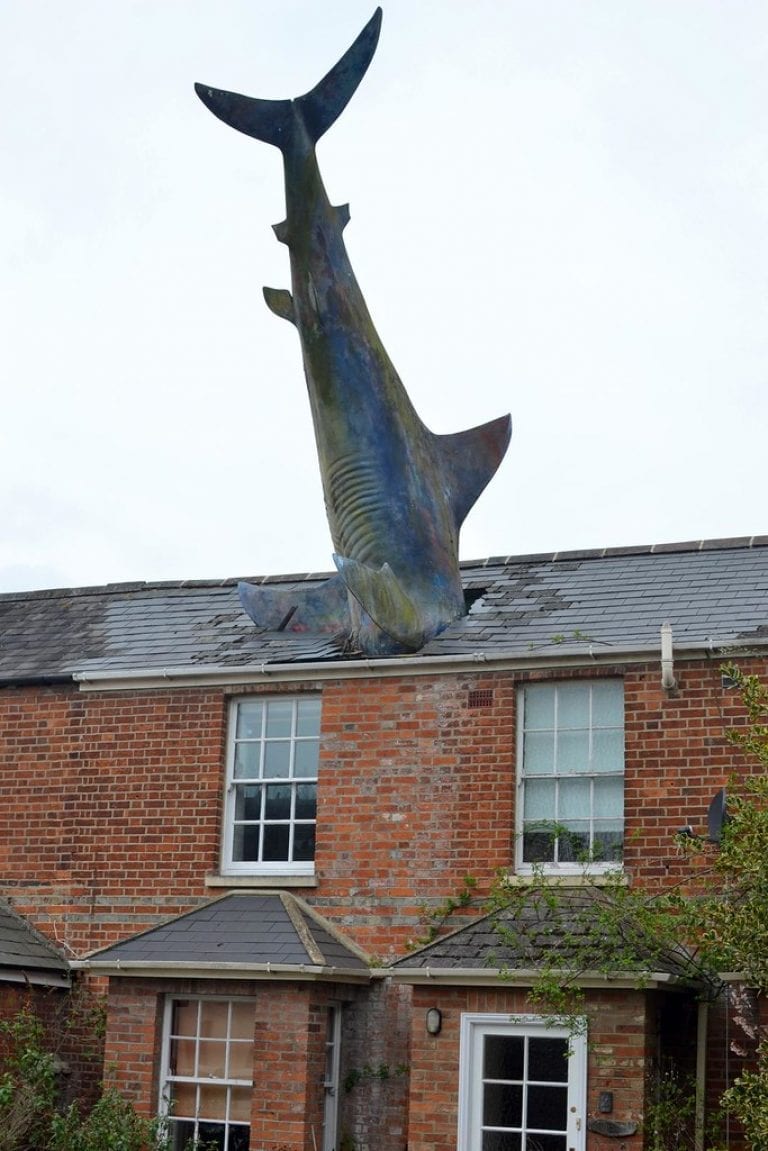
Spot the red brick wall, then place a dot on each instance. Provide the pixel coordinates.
(621, 1039)
(110, 804)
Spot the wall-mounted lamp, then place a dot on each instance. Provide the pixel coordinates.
(434, 1021)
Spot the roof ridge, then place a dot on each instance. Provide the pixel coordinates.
(108, 589)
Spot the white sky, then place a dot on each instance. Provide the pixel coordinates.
(559, 209)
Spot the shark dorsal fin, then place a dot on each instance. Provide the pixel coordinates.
(470, 460)
(280, 301)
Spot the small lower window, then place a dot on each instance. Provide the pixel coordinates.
(208, 1073)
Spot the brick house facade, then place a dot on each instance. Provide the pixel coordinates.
(138, 724)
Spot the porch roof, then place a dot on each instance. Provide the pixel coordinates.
(264, 935)
(26, 956)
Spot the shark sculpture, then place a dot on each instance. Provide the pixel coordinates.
(395, 493)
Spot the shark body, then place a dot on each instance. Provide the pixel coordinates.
(396, 494)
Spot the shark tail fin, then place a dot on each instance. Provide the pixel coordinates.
(470, 460)
(271, 120)
(381, 597)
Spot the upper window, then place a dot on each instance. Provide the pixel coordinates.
(207, 1076)
(571, 775)
(271, 799)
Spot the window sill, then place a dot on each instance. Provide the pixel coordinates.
(584, 878)
(271, 881)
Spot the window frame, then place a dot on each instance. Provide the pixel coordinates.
(166, 1078)
(475, 1026)
(558, 867)
(228, 864)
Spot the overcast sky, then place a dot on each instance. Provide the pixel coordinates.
(559, 210)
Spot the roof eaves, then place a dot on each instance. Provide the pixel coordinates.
(527, 976)
(152, 969)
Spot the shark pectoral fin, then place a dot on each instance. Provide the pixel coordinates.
(470, 459)
(323, 608)
(383, 599)
(280, 301)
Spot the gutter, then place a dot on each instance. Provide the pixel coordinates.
(526, 977)
(156, 969)
(36, 978)
(589, 655)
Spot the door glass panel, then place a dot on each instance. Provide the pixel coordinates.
(501, 1141)
(548, 1060)
(503, 1105)
(504, 1057)
(545, 1143)
(547, 1107)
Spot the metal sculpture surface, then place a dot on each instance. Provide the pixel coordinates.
(396, 494)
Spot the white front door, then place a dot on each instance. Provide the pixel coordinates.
(522, 1085)
(331, 1077)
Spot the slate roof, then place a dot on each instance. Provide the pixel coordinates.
(581, 604)
(25, 955)
(265, 933)
(567, 932)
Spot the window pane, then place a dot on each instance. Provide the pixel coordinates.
(503, 1105)
(609, 844)
(308, 716)
(539, 800)
(305, 759)
(241, 1026)
(247, 757)
(304, 842)
(241, 1060)
(245, 844)
(573, 706)
(184, 1100)
(182, 1135)
(539, 708)
(573, 843)
(572, 751)
(211, 1059)
(248, 801)
(279, 718)
(503, 1058)
(240, 1104)
(573, 799)
(539, 753)
(276, 838)
(608, 704)
(249, 714)
(213, 1019)
(211, 1135)
(548, 1108)
(609, 798)
(239, 1139)
(277, 759)
(306, 800)
(548, 1060)
(607, 750)
(538, 845)
(184, 1017)
(213, 1102)
(182, 1056)
(277, 801)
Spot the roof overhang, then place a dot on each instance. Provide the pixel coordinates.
(147, 969)
(555, 657)
(36, 977)
(527, 977)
